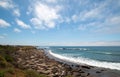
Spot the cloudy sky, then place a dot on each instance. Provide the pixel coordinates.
(60, 22)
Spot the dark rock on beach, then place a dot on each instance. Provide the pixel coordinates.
(87, 67)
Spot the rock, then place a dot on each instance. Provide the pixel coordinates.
(88, 74)
(55, 75)
(72, 65)
(67, 67)
(23, 63)
(26, 58)
(36, 61)
(84, 74)
(77, 66)
(102, 70)
(27, 65)
(43, 72)
(31, 57)
(54, 70)
(98, 72)
(59, 66)
(87, 67)
(69, 73)
(81, 71)
(76, 69)
(64, 73)
(19, 59)
(45, 68)
(38, 71)
(76, 74)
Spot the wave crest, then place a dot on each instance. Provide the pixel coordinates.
(81, 60)
(73, 49)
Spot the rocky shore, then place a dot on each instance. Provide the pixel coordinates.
(34, 59)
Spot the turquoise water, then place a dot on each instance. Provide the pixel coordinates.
(108, 54)
(101, 56)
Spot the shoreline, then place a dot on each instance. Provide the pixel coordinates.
(91, 68)
(66, 60)
(36, 59)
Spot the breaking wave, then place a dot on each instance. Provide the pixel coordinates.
(81, 60)
(73, 49)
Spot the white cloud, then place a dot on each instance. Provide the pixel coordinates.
(50, 24)
(16, 12)
(17, 30)
(75, 18)
(86, 15)
(3, 23)
(46, 15)
(22, 24)
(90, 14)
(110, 25)
(37, 23)
(6, 4)
(9, 4)
(100, 18)
(113, 20)
(95, 10)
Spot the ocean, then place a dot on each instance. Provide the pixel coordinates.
(99, 56)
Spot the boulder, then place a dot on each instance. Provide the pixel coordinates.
(75, 74)
(87, 67)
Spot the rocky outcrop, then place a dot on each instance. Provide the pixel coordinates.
(36, 60)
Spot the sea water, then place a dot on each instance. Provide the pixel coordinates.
(100, 56)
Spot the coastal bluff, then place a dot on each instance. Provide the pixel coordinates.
(31, 58)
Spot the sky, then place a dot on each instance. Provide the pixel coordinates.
(60, 22)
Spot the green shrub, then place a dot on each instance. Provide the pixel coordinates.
(1, 73)
(3, 62)
(69, 76)
(2, 58)
(41, 75)
(31, 73)
(9, 58)
(7, 72)
(10, 70)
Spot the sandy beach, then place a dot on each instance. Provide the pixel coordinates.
(35, 59)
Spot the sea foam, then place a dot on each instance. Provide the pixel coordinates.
(81, 60)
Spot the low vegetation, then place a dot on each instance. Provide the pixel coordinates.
(7, 67)
(32, 73)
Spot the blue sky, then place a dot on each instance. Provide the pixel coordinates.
(60, 22)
